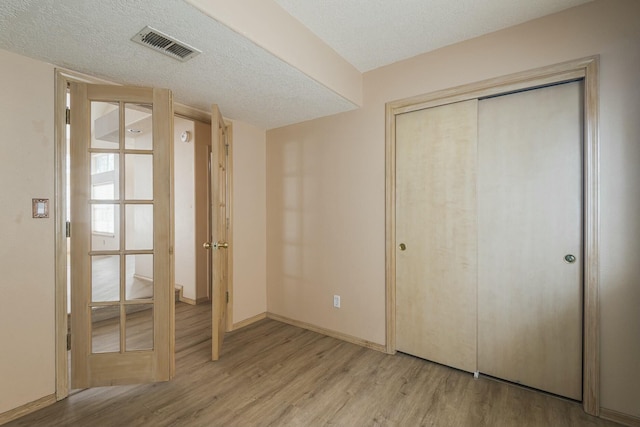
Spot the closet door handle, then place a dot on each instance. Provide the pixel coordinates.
(402, 247)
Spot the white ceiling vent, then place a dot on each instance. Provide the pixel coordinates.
(154, 39)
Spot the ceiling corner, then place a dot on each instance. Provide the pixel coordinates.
(266, 24)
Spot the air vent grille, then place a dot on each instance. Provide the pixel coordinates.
(156, 40)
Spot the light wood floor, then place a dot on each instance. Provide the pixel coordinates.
(273, 374)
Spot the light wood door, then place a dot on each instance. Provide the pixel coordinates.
(529, 219)
(220, 229)
(121, 235)
(436, 231)
(202, 172)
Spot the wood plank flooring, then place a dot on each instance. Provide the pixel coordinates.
(273, 374)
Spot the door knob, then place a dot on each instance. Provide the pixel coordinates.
(570, 258)
(206, 245)
(220, 245)
(402, 246)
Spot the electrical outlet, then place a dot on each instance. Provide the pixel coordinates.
(336, 301)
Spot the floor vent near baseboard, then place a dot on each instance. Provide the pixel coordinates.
(156, 40)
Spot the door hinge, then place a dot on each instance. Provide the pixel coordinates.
(227, 294)
(68, 229)
(228, 223)
(67, 116)
(226, 149)
(68, 341)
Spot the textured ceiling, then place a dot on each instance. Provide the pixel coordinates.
(248, 82)
(93, 36)
(373, 33)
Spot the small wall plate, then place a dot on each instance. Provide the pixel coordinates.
(40, 208)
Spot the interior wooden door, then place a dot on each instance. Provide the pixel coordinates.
(220, 209)
(436, 231)
(530, 238)
(121, 235)
(202, 208)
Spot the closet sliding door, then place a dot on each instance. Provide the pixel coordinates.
(530, 238)
(436, 231)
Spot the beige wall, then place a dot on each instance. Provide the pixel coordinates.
(249, 222)
(325, 208)
(184, 210)
(27, 368)
(27, 356)
(326, 179)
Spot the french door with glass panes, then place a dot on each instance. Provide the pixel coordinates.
(122, 311)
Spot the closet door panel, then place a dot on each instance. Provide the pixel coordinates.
(436, 232)
(529, 219)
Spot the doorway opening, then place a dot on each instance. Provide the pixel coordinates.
(192, 204)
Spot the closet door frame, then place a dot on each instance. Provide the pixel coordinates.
(585, 69)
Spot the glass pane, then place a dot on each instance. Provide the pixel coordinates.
(138, 177)
(105, 227)
(105, 329)
(139, 327)
(105, 125)
(105, 278)
(105, 176)
(139, 127)
(139, 281)
(139, 226)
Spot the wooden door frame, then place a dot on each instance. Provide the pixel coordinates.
(62, 77)
(193, 114)
(585, 69)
